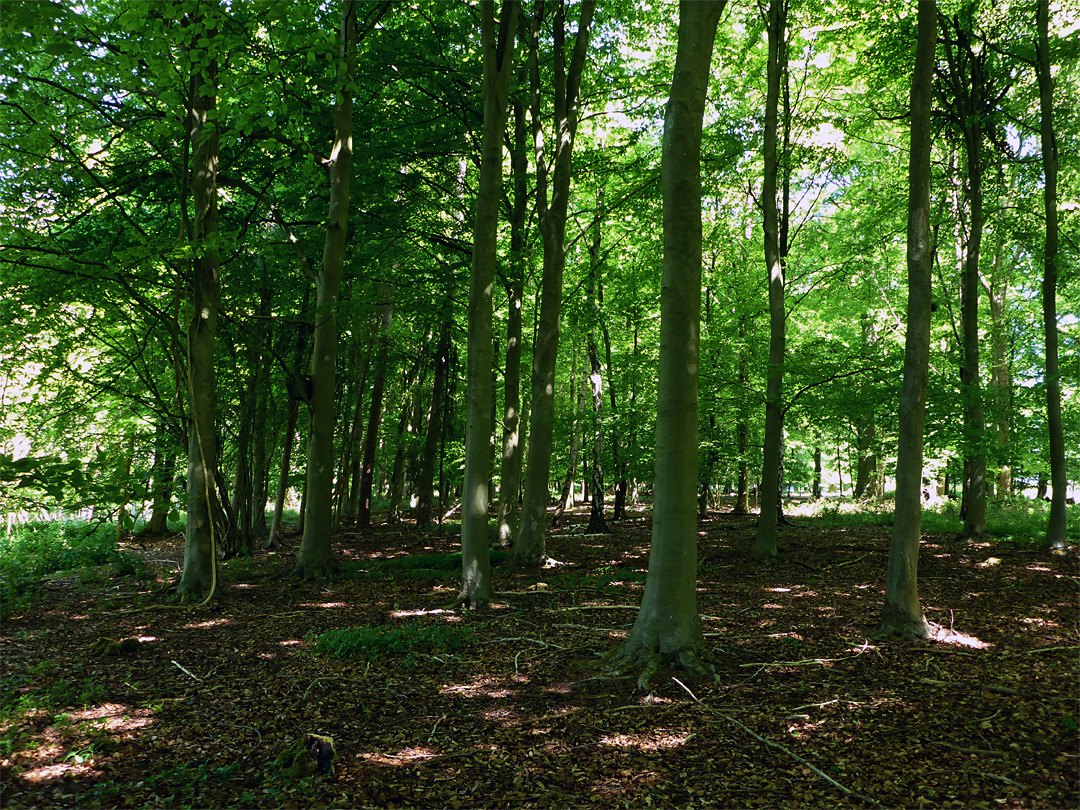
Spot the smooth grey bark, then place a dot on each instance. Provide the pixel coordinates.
(816, 491)
(968, 83)
(742, 429)
(997, 291)
(529, 547)
(902, 612)
(260, 456)
(498, 54)
(163, 471)
(765, 546)
(200, 554)
(510, 470)
(371, 436)
(425, 477)
(353, 467)
(1056, 528)
(315, 558)
(597, 524)
(566, 492)
(668, 628)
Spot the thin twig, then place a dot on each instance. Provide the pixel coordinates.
(185, 671)
(771, 744)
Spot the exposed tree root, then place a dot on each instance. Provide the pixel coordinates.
(904, 630)
(649, 659)
(314, 571)
(469, 601)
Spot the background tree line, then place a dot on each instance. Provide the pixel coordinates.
(239, 240)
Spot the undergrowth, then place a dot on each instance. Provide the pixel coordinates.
(33, 551)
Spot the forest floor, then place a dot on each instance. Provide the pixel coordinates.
(511, 707)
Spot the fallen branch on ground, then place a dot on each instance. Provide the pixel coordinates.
(771, 744)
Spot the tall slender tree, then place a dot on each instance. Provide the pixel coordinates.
(668, 627)
(498, 55)
(1055, 529)
(529, 546)
(765, 542)
(200, 557)
(902, 614)
(316, 556)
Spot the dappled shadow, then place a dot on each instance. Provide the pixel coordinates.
(523, 713)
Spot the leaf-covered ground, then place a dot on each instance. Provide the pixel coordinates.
(510, 708)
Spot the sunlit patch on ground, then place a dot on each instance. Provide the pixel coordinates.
(56, 772)
(403, 757)
(945, 636)
(481, 687)
(658, 740)
(328, 605)
(404, 614)
(207, 623)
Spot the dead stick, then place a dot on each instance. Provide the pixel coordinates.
(977, 751)
(771, 744)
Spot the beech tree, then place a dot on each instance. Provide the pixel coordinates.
(529, 547)
(200, 553)
(775, 250)
(668, 628)
(316, 556)
(498, 55)
(1055, 530)
(902, 614)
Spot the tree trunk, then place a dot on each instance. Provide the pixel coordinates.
(350, 484)
(866, 447)
(259, 456)
(510, 470)
(315, 558)
(1000, 374)
(510, 476)
(371, 437)
(163, 471)
(668, 628)
(742, 428)
(902, 613)
(200, 554)
(273, 540)
(566, 493)
(530, 542)
(597, 524)
(498, 55)
(968, 81)
(297, 393)
(425, 479)
(397, 475)
(1055, 529)
(765, 546)
(817, 474)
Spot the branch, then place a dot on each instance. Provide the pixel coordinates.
(771, 744)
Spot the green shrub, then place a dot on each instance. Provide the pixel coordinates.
(372, 642)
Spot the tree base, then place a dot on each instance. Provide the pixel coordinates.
(469, 601)
(314, 571)
(765, 553)
(648, 659)
(525, 560)
(897, 624)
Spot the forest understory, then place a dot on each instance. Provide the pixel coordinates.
(512, 707)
